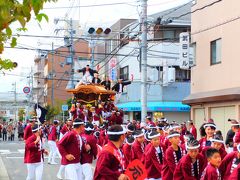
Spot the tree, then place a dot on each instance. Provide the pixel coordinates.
(21, 113)
(52, 112)
(17, 11)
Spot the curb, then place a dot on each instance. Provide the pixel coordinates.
(3, 171)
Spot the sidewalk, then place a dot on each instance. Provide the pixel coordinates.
(3, 171)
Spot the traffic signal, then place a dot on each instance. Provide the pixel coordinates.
(91, 30)
(107, 31)
(98, 31)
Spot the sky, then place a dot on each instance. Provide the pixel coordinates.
(89, 13)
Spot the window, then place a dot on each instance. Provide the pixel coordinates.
(192, 61)
(124, 73)
(216, 52)
(168, 34)
(182, 75)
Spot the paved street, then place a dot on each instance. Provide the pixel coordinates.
(12, 166)
(12, 154)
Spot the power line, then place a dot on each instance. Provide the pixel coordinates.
(118, 62)
(93, 5)
(34, 49)
(198, 9)
(220, 24)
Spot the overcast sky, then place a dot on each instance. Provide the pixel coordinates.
(87, 15)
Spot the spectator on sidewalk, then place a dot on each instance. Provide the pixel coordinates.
(20, 131)
(4, 132)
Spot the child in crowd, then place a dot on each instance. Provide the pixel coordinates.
(173, 155)
(154, 157)
(214, 160)
(191, 165)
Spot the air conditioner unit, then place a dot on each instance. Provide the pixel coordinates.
(171, 75)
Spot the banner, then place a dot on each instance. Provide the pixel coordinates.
(112, 69)
(184, 50)
(136, 170)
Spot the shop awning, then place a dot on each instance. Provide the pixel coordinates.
(155, 106)
(223, 95)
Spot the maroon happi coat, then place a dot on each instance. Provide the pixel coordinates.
(193, 131)
(70, 144)
(152, 162)
(138, 150)
(226, 167)
(52, 133)
(33, 152)
(65, 129)
(87, 157)
(108, 166)
(185, 169)
(128, 154)
(222, 152)
(211, 173)
(236, 139)
(103, 138)
(169, 163)
(147, 147)
(27, 132)
(236, 173)
(202, 143)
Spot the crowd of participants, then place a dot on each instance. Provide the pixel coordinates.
(166, 149)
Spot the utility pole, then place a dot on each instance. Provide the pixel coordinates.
(143, 24)
(15, 100)
(52, 94)
(92, 45)
(30, 95)
(72, 54)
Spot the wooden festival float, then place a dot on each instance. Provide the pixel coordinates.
(91, 94)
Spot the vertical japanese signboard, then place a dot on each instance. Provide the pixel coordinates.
(112, 69)
(184, 50)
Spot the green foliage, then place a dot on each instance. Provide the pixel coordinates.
(17, 11)
(52, 112)
(21, 114)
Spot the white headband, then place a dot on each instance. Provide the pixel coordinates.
(116, 133)
(194, 147)
(130, 131)
(34, 130)
(151, 137)
(235, 124)
(78, 123)
(136, 136)
(89, 129)
(217, 140)
(209, 125)
(177, 126)
(173, 135)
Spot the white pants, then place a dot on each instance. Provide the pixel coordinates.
(34, 170)
(117, 97)
(53, 151)
(61, 170)
(87, 171)
(73, 171)
(155, 179)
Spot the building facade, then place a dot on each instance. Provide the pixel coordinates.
(167, 83)
(54, 69)
(215, 86)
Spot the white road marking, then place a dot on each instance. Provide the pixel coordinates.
(5, 151)
(21, 151)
